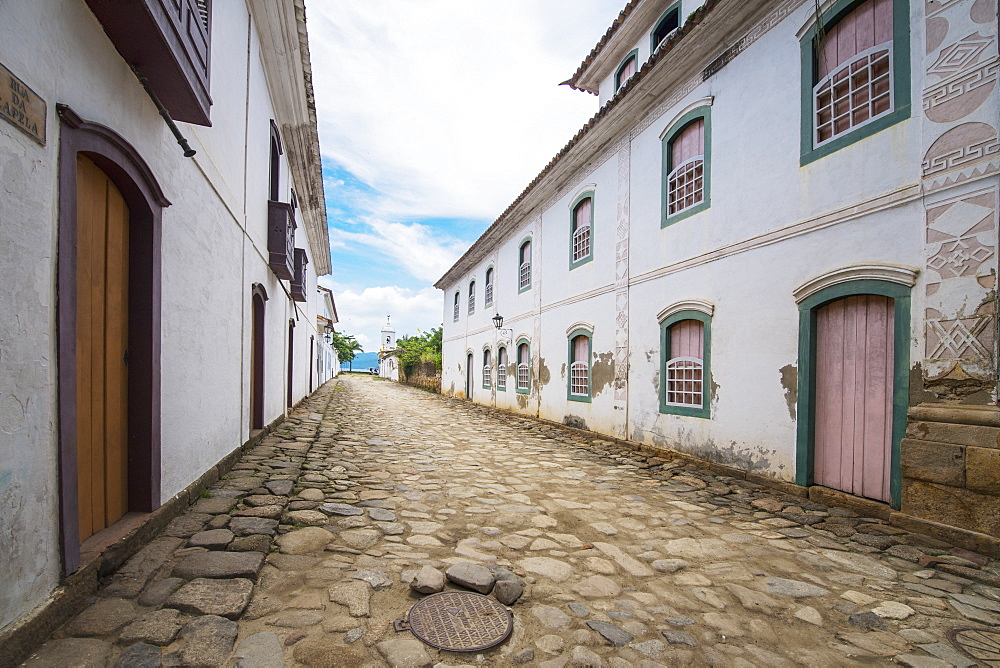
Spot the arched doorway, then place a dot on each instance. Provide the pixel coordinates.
(468, 376)
(854, 387)
(291, 361)
(108, 312)
(257, 357)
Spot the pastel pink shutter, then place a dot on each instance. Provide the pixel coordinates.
(866, 26)
(688, 144)
(686, 339)
(583, 213)
(627, 71)
(581, 352)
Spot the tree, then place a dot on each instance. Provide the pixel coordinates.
(425, 347)
(347, 347)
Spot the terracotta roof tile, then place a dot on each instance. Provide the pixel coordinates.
(622, 15)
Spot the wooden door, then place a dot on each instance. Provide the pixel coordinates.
(257, 363)
(854, 370)
(468, 376)
(101, 348)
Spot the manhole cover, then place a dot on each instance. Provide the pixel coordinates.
(460, 621)
(980, 644)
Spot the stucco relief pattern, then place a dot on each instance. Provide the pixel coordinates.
(960, 312)
(962, 148)
(536, 292)
(621, 285)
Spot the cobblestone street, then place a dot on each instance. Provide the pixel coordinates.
(304, 554)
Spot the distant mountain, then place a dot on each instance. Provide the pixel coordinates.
(361, 362)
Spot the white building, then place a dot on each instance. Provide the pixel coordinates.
(327, 358)
(388, 364)
(774, 247)
(157, 307)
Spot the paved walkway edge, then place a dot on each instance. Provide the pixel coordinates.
(23, 637)
(964, 538)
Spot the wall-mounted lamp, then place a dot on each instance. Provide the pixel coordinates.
(498, 323)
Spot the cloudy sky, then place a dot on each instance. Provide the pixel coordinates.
(433, 116)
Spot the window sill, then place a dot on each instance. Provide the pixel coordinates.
(685, 411)
(677, 217)
(581, 399)
(856, 135)
(579, 263)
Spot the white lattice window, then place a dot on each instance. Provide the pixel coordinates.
(489, 288)
(857, 92)
(524, 268)
(579, 375)
(487, 371)
(581, 243)
(522, 376)
(472, 298)
(684, 382)
(455, 317)
(582, 216)
(501, 376)
(686, 185)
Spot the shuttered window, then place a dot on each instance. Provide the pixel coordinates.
(583, 216)
(502, 369)
(854, 70)
(579, 367)
(686, 180)
(488, 298)
(524, 266)
(523, 370)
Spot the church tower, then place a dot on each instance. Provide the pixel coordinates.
(388, 341)
(388, 365)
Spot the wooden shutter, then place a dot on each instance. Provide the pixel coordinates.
(688, 144)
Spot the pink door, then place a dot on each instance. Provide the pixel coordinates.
(854, 365)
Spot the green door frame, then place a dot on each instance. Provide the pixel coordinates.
(806, 408)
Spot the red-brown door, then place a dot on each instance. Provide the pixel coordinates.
(101, 345)
(854, 369)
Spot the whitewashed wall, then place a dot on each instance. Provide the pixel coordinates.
(213, 250)
(772, 225)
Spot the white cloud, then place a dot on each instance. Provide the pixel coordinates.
(363, 313)
(450, 107)
(422, 251)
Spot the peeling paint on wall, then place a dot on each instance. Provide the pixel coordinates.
(656, 382)
(790, 382)
(602, 372)
(543, 373)
(562, 371)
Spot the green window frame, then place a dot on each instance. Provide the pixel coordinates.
(633, 55)
(488, 358)
(805, 427)
(570, 359)
(705, 114)
(489, 287)
(517, 359)
(673, 9)
(900, 75)
(472, 297)
(520, 264)
(456, 307)
(506, 357)
(573, 264)
(706, 374)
